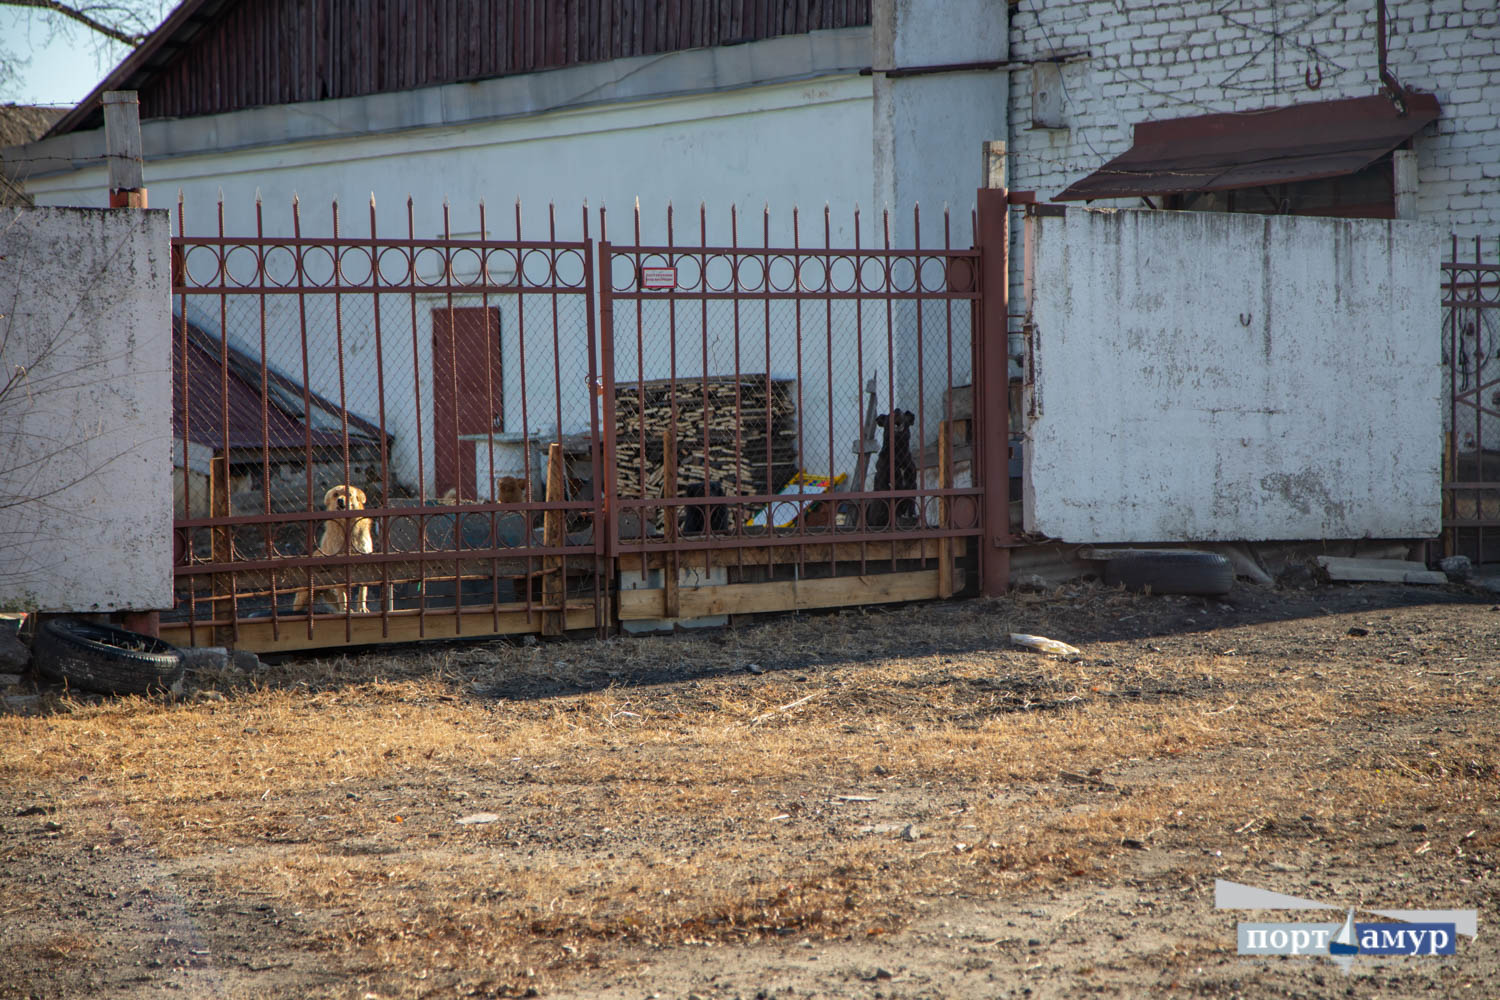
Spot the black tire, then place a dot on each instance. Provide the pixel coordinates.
(1182, 571)
(106, 659)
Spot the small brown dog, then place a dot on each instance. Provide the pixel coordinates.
(341, 537)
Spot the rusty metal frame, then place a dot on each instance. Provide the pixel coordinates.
(264, 268)
(942, 275)
(1471, 354)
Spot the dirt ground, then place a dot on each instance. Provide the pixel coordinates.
(893, 802)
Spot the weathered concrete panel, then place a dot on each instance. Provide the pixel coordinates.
(1206, 377)
(85, 424)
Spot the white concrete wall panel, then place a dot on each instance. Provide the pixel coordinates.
(745, 148)
(85, 425)
(1206, 377)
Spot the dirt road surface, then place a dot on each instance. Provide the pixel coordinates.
(867, 804)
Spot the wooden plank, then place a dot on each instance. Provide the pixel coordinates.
(783, 595)
(478, 622)
(122, 136)
(669, 516)
(219, 540)
(439, 569)
(554, 535)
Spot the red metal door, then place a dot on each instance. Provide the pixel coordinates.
(466, 397)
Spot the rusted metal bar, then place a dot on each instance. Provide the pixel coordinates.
(992, 391)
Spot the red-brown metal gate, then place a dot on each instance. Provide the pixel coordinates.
(740, 379)
(387, 438)
(312, 370)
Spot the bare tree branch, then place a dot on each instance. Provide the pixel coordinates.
(82, 17)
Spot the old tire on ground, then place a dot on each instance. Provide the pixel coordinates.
(1181, 571)
(106, 659)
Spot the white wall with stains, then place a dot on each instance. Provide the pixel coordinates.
(1205, 377)
(85, 424)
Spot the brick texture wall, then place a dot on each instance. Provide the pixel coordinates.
(1178, 58)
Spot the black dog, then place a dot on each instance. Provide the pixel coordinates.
(894, 470)
(716, 516)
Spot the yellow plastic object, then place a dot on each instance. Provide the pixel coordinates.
(784, 515)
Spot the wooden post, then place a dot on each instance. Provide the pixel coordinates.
(945, 480)
(1404, 180)
(218, 506)
(122, 147)
(554, 535)
(994, 165)
(669, 519)
(867, 443)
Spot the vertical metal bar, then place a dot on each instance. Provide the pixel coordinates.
(557, 433)
(919, 500)
(890, 379)
(610, 472)
(801, 525)
(1478, 291)
(992, 391)
(600, 512)
(669, 486)
(525, 411)
(336, 251)
(739, 434)
(946, 475)
(483, 278)
(640, 383)
(556, 344)
(765, 277)
(416, 374)
(708, 510)
(452, 389)
(385, 464)
(187, 493)
(833, 513)
(224, 550)
(859, 362)
(268, 535)
(1450, 453)
(310, 526)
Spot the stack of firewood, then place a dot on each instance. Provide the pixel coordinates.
(737, 439)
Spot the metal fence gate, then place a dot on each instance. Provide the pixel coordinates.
(1471, 354)
(380, 438)
(750, 387)
(390, 437)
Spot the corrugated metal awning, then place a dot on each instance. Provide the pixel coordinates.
(1254, 148)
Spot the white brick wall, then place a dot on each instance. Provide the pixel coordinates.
(1175, 58)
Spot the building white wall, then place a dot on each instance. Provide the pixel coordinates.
(1180, 58)
(85, 426)
(745, 148)
(1210, 377)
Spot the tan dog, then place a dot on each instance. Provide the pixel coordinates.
(337, 540)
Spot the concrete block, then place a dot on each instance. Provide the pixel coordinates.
(1379, 571)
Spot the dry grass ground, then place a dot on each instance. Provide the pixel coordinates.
(892, 803)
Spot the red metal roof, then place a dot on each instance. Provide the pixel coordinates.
(285, 425)
(1243, 149)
